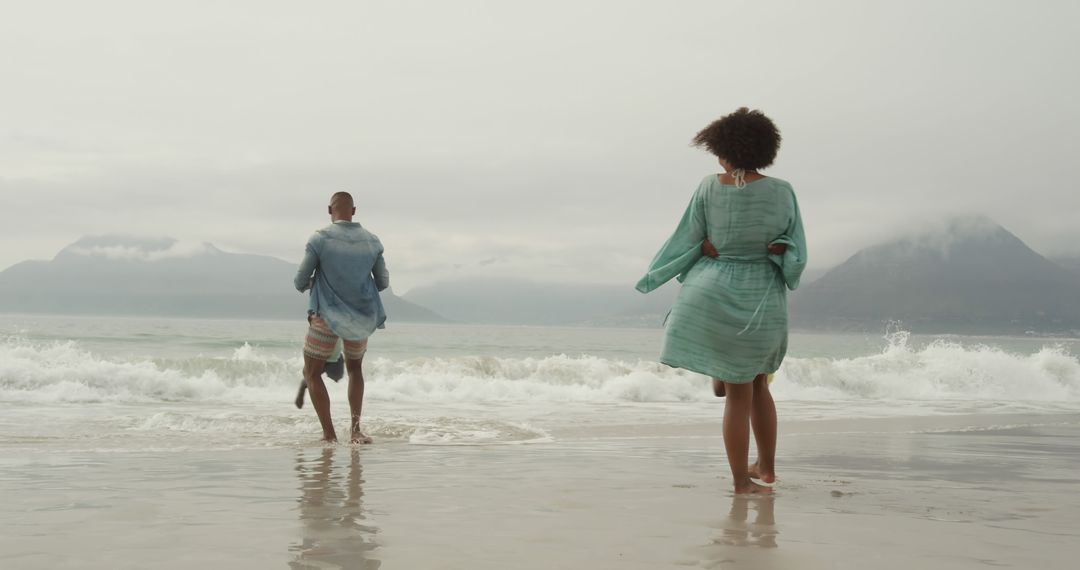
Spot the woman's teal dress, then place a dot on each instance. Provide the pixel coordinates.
(730, 319)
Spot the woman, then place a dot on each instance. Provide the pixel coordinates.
(739, 246)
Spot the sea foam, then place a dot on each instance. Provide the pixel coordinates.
(943, 370)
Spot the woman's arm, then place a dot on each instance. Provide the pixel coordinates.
(777, 248)
(709, 250)
(681, 251)
(793, 259)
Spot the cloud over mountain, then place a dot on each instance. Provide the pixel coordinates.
(127, 275)
(968, 274)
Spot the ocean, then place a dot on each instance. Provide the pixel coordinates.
(174, 443)
(116, 384)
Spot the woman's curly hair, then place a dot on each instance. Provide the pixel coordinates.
(745, 139)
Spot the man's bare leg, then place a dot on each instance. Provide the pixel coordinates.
(356, 398)
(740, 398)
(320, 399)
(763, 420)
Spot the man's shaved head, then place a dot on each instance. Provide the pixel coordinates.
(342, 206)
(341, 200)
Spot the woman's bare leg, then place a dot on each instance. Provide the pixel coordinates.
(740, 399)
(763, 420)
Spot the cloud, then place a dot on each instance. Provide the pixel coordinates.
(474, 138)
(133, 248)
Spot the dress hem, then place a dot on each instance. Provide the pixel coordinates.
(713, 374)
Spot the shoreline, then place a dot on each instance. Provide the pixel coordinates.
(851, 494)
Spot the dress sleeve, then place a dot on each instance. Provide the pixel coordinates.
(793, 261)
(681, 251)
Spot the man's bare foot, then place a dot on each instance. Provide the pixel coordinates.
(300, 394)
(329, 439)
(755, 472)
(749, 487)
(358, 437)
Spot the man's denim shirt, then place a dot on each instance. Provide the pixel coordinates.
(347, 263)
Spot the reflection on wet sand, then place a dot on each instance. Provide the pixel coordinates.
(335, 532)
(737, 531)
(761, 533)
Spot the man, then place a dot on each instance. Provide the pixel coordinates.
(344, 269)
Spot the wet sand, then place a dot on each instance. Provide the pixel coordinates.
(932, 492)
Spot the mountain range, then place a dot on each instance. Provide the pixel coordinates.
(969, 275)
(1070, 263)
(120, 275)
(512, 301)
(966, 275)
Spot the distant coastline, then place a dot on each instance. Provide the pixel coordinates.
(970, 277)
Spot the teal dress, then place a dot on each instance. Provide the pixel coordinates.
(730, 319)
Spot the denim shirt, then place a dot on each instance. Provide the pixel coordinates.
(347, 263)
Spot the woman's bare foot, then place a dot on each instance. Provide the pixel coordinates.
(755, 472)
(358, 437)
(749, 487)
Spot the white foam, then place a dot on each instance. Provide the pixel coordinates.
(443, 430)
(944, 370)
(460, 431)
(556, 378)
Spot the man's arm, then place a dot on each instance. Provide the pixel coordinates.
(381, 274)
(304, 274)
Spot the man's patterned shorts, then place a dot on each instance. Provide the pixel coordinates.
(320, 341)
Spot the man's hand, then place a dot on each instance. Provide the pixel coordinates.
(708, 249)
(777, 248)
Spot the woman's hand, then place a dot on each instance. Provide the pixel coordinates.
(708, 249)
(777, 248)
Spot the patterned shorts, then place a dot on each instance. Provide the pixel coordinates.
(320, 342)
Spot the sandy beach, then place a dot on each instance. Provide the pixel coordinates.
(931, 492)
(541, 232)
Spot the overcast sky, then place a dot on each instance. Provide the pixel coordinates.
(541, 140)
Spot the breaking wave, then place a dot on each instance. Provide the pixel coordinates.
(943, 370)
